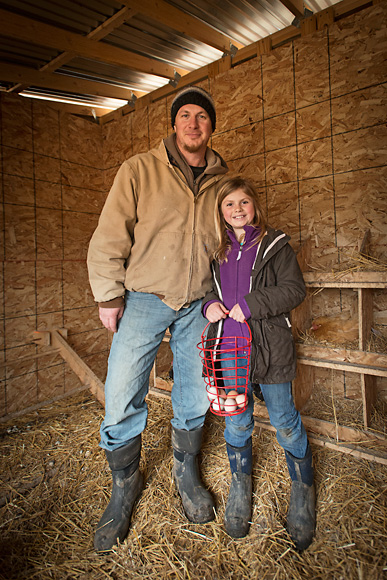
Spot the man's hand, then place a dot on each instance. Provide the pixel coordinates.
(237, 314)
(110, 317)
(216, 311)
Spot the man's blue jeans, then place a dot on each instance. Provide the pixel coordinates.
(133, 351)
(291, 434)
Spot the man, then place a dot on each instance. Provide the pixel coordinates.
(149, 267)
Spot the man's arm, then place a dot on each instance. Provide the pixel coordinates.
(111, 243)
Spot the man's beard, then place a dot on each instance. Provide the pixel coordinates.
(192, 148)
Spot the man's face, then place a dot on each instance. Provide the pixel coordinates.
(193, 129)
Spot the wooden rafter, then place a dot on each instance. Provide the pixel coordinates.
(29, 30)
(98, 33)
(296, 7)
(58, 82)
(174, 18)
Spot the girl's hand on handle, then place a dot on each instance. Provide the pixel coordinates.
(110, 317)
(237, 314)
(216, 311)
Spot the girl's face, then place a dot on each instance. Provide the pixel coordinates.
(238, 210)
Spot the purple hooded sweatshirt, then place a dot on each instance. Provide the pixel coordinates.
(235, 280)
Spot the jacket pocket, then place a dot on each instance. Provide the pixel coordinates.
(279, 340)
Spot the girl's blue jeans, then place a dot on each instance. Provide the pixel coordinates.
(133, 351)
(284, 417)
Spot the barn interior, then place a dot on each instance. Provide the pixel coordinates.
(300, 93)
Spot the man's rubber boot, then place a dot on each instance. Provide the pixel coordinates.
(301, 518)
(238, 509)
(113, 527)
(197, 501)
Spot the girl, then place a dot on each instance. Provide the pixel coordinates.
(257, 278)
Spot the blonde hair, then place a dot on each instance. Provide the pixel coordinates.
(228, 186)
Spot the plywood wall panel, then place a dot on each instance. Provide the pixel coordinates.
(252, 167)
(18, 162)
(311, 69)
(360, 149)
(280, 131)
(19, 282)
(77, 231)
(19, 227)
(48, 194)
(18, 190)
(20, 361)
(75, 175)
(361, 204)
(50, 382)
(283, 210)
(317, 217)
(98, 364)
(313, 122)
(82, 319)
(159, 119)
(18, 331)
(117, 141)
(281, 165)
(47, 168)
(46, 137)
(314, 158)
(358, 51)
(49, 235)
(76, 287)
(278, 81)
(16, 122)
(89, 342)
(81, 140)
(359, 109)
(238, 96)
(49, 294)
(240, 142)
(22, 392)
(140, 131)
(82, 199)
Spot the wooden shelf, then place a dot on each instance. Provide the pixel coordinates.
(369, 365)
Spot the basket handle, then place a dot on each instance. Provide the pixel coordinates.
(244, 322)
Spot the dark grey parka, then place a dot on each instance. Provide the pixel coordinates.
(276, 287)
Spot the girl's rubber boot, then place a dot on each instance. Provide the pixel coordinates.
(238, 509)
(301, 518)
(113, 527)
(197, 501)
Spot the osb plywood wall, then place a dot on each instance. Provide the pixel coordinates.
(306, 122)
(52, 193)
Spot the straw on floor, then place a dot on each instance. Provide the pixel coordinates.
(55, 483)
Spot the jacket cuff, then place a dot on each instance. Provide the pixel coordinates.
(245, 308)
(207, 304)
(114, 303)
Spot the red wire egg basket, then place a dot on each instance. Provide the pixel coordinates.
(226, 387)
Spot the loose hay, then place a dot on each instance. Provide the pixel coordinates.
(55, 483)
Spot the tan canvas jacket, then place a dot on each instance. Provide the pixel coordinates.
(154, 235)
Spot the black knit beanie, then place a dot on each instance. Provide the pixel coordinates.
(194, 96)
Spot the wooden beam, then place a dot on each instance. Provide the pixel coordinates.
(346, 279)
(178, 20)
(85, 374)
(56, 81)
(354, 361)
(296, 7)
(31, 31)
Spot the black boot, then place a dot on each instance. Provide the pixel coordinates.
(127, 486)
(238, 509)
(301, 518)
(197, 501)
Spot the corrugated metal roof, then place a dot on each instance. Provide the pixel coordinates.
(243, 21)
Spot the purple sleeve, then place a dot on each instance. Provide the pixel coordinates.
(207, 305)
